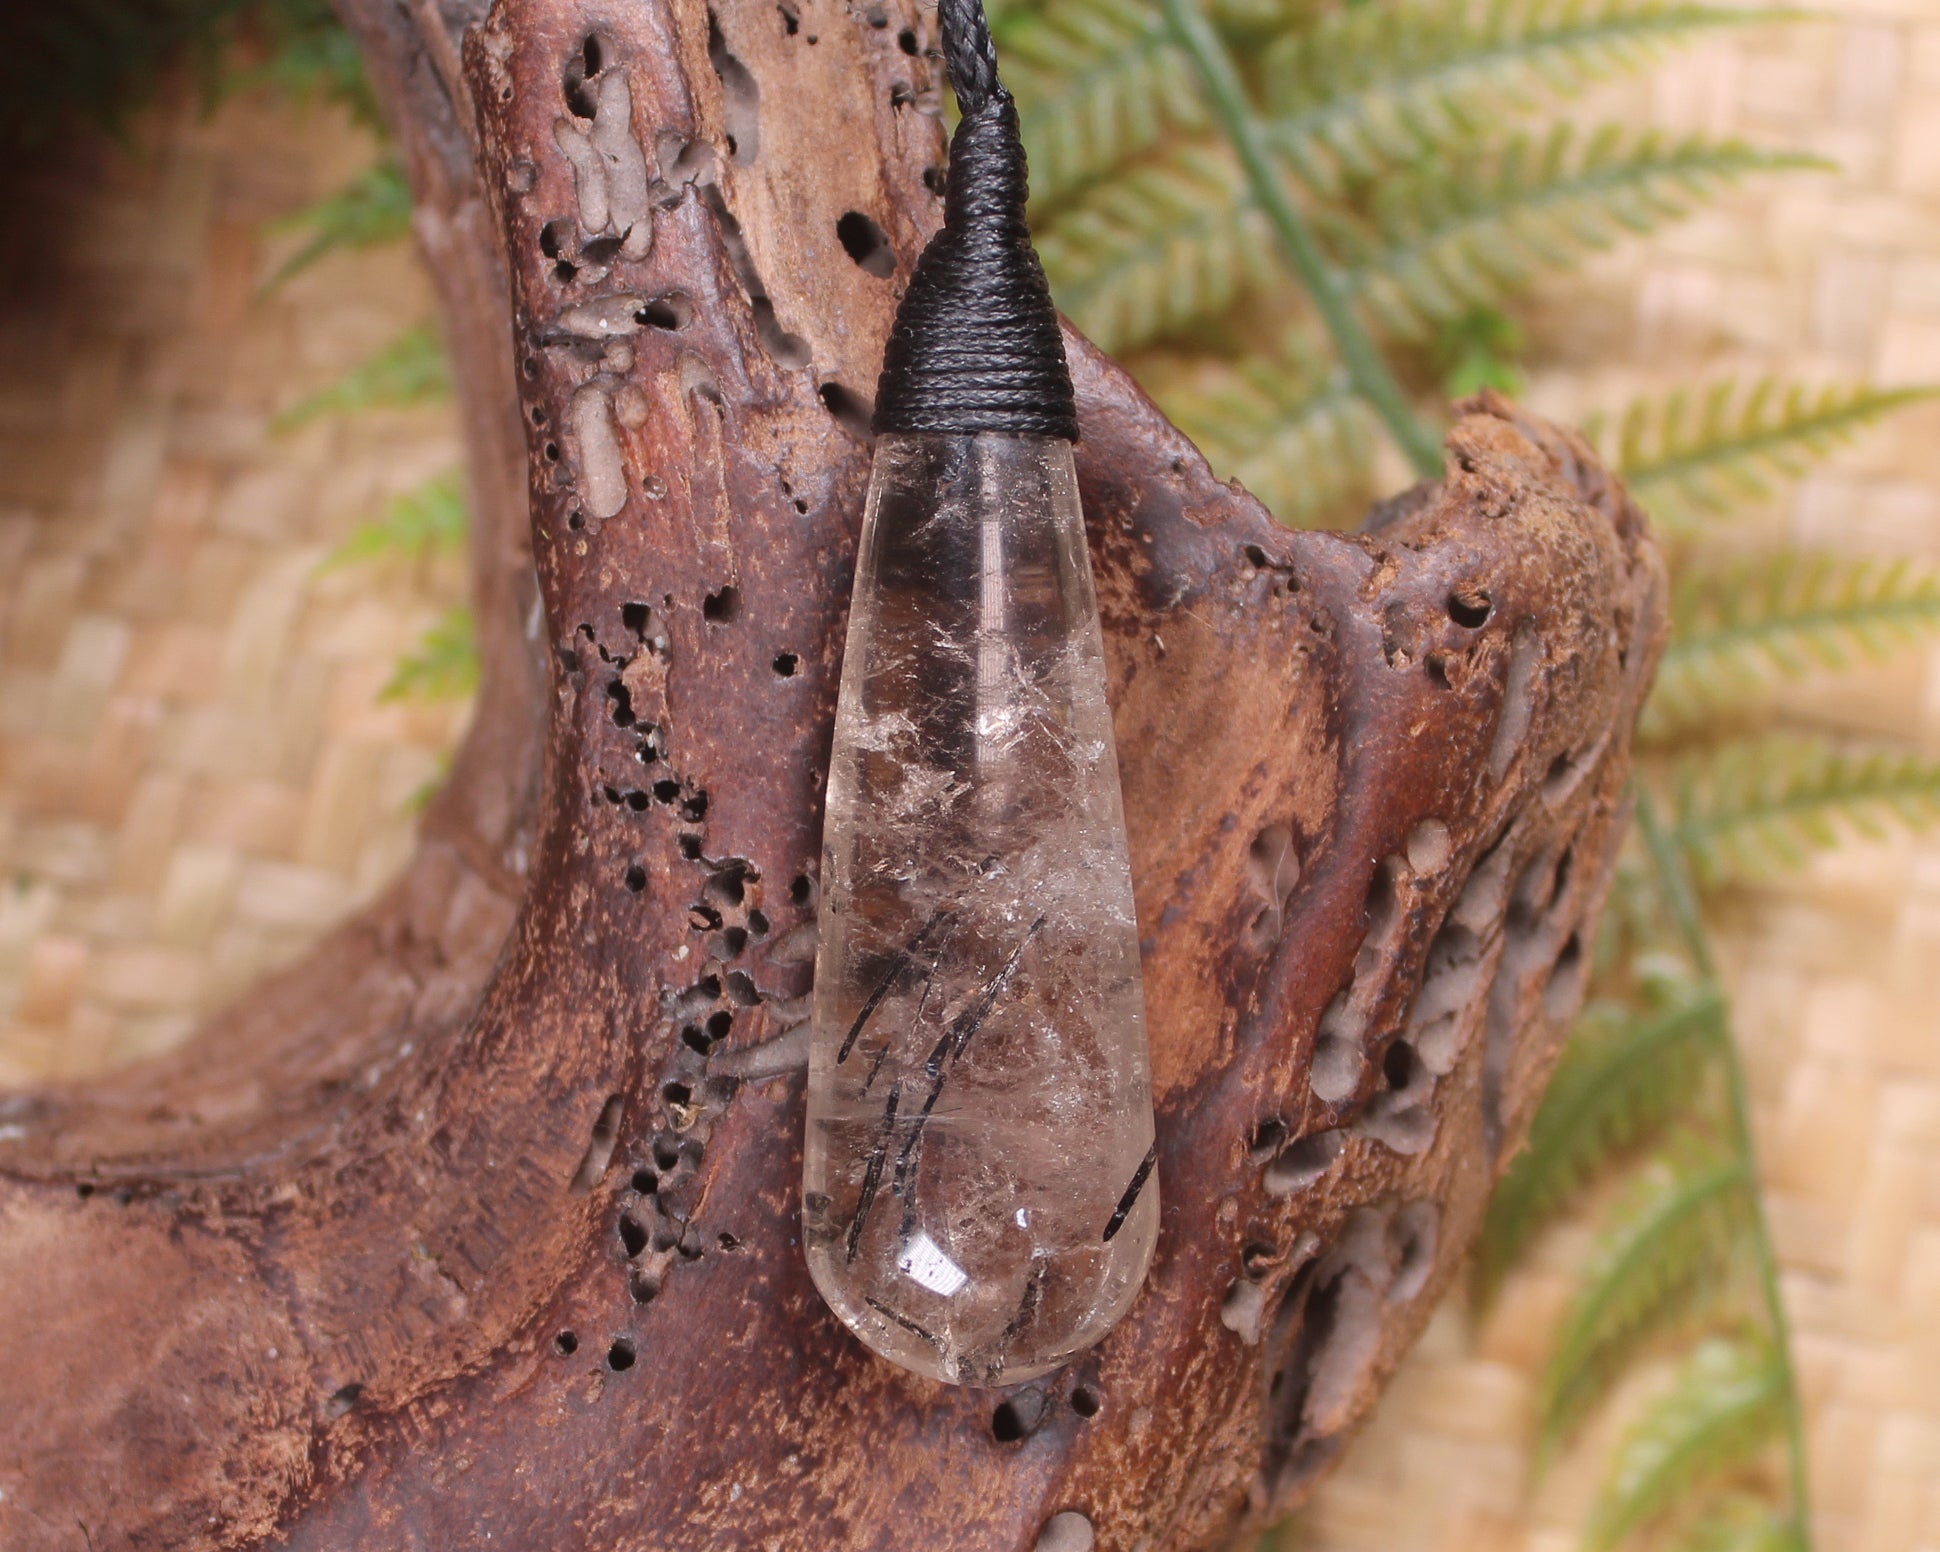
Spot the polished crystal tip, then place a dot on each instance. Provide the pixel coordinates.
(979, 1195)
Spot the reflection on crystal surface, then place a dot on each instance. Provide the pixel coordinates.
(978, 1197)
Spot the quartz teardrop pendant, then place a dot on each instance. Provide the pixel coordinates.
(979, 1196)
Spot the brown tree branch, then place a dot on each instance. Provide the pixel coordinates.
(481, 1230)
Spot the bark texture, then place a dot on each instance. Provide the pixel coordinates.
(478, 1228)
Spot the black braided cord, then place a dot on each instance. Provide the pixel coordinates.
(976, 344)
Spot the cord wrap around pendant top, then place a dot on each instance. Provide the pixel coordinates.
(976, 346)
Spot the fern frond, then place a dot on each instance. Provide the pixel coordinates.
(1726, 1403)
(1097, 82)
(95, 62)
(1671, 1243)
(97, 66)
(411, 370)
(430, 787)
(1374, 87)
(1286, 425)
(444, 667)
(1168, 243)
(1707, 452)
(1624, 1076)
(1252, 24)
(1478, 349)
(1005, 16)
(1468, 232)
(374, 208)
(1737, 627)
(1755, 807)
(1745, 1523)
(312, 58)
(429, 520)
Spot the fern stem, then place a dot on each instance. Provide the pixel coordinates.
(1367, 370)
(1675, 882)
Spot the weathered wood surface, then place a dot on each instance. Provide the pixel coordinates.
(478, 1228)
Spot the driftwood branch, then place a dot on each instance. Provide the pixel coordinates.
(478, 1227)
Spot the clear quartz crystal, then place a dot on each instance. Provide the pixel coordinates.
(979, 1197)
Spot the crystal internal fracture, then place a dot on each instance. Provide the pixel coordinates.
(980, 1200)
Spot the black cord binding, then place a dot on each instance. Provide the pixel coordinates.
(976, 344)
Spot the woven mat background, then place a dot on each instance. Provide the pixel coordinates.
(197, 776)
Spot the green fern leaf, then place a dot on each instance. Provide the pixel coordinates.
(1249, 25)
(1624, 1077)
(1175, 241)
(1166, 244)
(375, 208)
(96, 66)
(1671, 1243)
(312, 58)
(1378, 86)
(1287, 426)
(430, 787)
(410, 371)
(1097, 82)
(1005, 16)
(444, 667)
(1478, 349)
(1471, 231)
(1741, 625)
(96, 61)
(1745, 1523)
(1722, 447)
(1754, 807)
(1727, 1402)
(430, 520)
